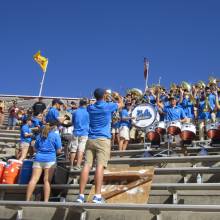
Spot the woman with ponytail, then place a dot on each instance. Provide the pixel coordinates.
(47, 145)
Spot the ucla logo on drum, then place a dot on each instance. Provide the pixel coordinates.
(142, 115)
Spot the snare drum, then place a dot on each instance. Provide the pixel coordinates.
(174, 127)
(213, 131)
(161, 128)
(144, 115)
(188, 132)
(152, 135)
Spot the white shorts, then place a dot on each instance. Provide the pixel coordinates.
(77, 144)
(115, 130)
(44, 165)
(124, 132)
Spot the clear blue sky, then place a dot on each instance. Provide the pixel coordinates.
(102, 43)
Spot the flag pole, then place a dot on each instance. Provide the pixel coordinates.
(146, 72)
(42, 83)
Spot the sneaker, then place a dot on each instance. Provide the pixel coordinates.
(72, 169)
(80, 199)
(98, 200)
(77, 168)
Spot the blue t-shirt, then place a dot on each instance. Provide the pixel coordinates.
(46, 147)
(25, 129)
(80, 121)
(187, 106)
(52, 115)
(36, 122)
(174, 113)
(124, 114)
(70, 110)
(211, 99)
(201, 114)
(100, 116)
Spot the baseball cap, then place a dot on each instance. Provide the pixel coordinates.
(57, 101)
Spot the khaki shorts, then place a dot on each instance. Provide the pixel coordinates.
(115, 130)
(100, 149)
(124, 132)
(77, 144)
(24, 145)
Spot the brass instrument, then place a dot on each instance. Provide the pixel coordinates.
(109, 95)
(206, 108)
(213, 82)
(135, 93)
(186, 86)
(201, 85)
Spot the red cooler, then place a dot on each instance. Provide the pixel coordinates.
(2, 167)
(11, 171)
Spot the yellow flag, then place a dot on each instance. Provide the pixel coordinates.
(42, 61)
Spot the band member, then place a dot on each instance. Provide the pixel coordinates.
(47, 145)
(173, 112)
(26, 138)
(186, 104)
(38, 107)
(204, 113)
(80, 119)
(115, 128)
(217, 101)
(125, 124)
(211, 100)
(99, 142)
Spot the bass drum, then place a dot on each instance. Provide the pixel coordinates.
(188, 132)
(174, 127)
(213, 131)
(144, 115)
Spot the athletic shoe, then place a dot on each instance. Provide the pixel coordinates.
(80, 199)
(98, 200)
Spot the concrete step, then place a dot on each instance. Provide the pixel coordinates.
(9, 139)
(10, 131)
(9, 135)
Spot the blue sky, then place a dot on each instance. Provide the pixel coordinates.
(102, 43)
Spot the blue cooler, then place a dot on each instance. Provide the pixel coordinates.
(25, 172)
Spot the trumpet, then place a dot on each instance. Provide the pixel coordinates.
(110, 95)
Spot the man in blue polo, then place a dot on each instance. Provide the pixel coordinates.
(99, 142)
(174, 112)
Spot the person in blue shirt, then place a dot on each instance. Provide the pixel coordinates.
(217, 103)
(173, 112)
(115, 127)
(25, 139)
(204, 113)
(47, 145)
(186, 104)
(53, 116)
(99, 142)
(125, 125)
(80, 121)
(73, 107)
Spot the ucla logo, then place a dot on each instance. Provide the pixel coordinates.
(142, 115)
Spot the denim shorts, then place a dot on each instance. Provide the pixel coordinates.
(12, 121)
(44, 165)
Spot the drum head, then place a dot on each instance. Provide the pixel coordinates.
(144, 115)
